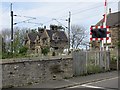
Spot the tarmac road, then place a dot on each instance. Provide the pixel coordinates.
(107, 84)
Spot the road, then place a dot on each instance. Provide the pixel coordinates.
(107, 84)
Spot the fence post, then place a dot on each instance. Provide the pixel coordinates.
(108, 59)
(101, 59)
(95, 58)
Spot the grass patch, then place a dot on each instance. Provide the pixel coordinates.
(92, 69)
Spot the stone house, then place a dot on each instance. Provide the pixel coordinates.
(55, 39)
(114, 22)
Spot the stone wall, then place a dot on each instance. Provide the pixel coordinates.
(27, 71)
(114, 36)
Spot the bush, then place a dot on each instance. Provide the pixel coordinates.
(45, 50)
(113, 59)
(93, 69)
(119, 44)
(6, 55)
(23, 50)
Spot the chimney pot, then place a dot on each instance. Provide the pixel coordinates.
(44, 27)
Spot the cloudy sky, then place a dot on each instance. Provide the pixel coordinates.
(84, 13)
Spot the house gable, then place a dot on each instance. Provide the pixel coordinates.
(112, 20)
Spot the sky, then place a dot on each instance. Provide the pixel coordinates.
(83, 13)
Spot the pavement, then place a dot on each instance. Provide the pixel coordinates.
(74, 81)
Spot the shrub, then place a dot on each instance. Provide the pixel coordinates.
(93, 69)
(23, 50)
(45, 50)
(113, 59)
(7, 55)
(119, 44)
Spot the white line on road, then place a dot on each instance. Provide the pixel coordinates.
(90, 86)
(103, 80)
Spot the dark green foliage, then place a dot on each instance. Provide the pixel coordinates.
(7, 55)
(23, 50)
(45, 50)
(119, 44)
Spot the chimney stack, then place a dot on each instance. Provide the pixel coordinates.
(109, 10)
(44, 27)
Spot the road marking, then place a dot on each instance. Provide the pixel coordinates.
(102, 80)
(90, 86)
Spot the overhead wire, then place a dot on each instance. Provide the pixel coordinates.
(84, 10)
(49, 20)
(25, 16)
(63, 9)
(81, 11)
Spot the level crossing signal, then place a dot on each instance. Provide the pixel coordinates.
(99, 33)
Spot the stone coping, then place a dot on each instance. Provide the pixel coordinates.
(33, 59)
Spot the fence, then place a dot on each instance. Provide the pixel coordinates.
(90, 61)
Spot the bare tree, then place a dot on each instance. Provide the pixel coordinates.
(5, 33)
(78, 36)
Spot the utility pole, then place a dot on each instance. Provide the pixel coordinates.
(11, 28)
(69, 20)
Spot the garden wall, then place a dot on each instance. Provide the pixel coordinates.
(27, 71)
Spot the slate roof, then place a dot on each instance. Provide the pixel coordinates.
(32, 36)
(113, 19)
(61, 34)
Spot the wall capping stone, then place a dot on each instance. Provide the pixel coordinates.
(33, 59)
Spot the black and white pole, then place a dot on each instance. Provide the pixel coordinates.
(69, 20)
(11, 29)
